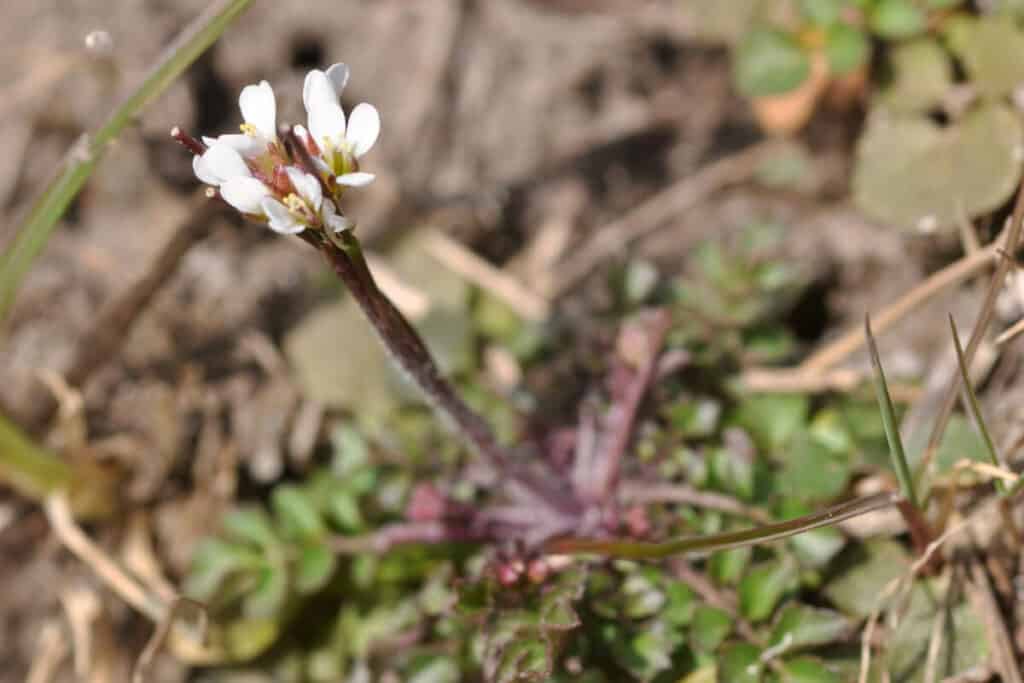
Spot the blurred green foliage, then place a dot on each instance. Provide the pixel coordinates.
(940, 81)
(286, 601)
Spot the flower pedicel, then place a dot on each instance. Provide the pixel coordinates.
(291, 180)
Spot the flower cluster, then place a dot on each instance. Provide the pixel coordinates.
(291, 179)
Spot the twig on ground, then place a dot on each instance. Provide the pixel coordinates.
(50, 653)
(843, 380)
(854, 339)
(81, 608)
(163, 630)
(501, 285)
(814, 371)
(654, 212)
(106, 568)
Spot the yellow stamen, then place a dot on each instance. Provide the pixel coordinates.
(248, 129)
(294, 203)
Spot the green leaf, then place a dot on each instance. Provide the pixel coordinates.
(733, 473)
(769, 62)
(921, 75)
(344, 510)
(863, 573)
(681, 604)
(813, 472)
(246, 639)
(351, 451)
(772, 419)
(251, 524)
(801, 626)
(808, 670)
(913, 173)
(763, 587)
(991, 49)
(314, 568)
(741, 663)
(269, 594)
(963, 646)
(727, 566)
(212, 562)
(556, 611)
(822, 12)
(897, 19)
(436, 670)
(709, 628)
(847, 48)
(296, 513)
(643, 597)
(814, 548)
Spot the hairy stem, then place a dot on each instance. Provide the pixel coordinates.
(410, 353)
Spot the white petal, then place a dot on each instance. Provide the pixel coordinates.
(363, 128)
(318, 92)
(327, 122)
(338, 75)
(245, 194)
(219, 164)
(334, 220)
(281, 220)
(306, 185)
(203, 172)
(249, 146)
(259, 109)
(355, 179)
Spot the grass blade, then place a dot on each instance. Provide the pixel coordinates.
(892, 432)
(82, 161)
(972, 404)
(639, 550)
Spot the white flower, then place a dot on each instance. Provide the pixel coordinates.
(222, 166)
(259, 111)
(300, 209)
(282, 183)
(339, 143)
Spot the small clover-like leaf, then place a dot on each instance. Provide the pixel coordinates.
(911, 172)
(847, 48)
(741, 663)
(709, 628)
(250, 524)
(296, 513)
(991, 49)
(769, 62)
(269, 594)
(763, 587)
(896, 19)
(313, 568)
(808, 670)
(800, 626)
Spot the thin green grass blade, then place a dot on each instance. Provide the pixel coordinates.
(82, 161)
(975, 408)
(687, 545)
(892, 432)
